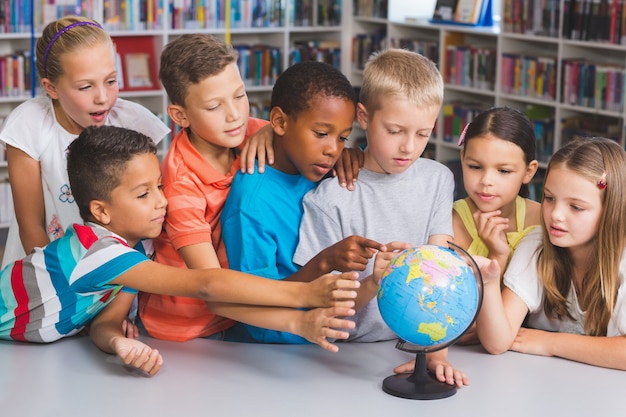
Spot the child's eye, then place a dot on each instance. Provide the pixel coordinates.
(143, 195)
(343, 138)
(160, 186)
(320, 134)
(394, 132)
(505, 171)
(112, 82)
(577, 208)
(213, 108)
(240, 96)
(474, 166)
(548, 198)
(85, 88)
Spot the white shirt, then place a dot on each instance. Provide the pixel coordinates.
(522, 278)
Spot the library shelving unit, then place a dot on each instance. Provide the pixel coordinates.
(559, 60)
(277, 30)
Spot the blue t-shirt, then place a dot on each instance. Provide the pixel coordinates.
(260, 225)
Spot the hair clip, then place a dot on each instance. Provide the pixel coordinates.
(602, 181)
(462, 137)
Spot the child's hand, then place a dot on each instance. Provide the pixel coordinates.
(491, 228)
(438, 364)
(489, 270)
(129, 329)
(258, 146)
(384, 257)
(348, 165)
(350, 254)
(137, 355)
(321, 323)
(333, 290)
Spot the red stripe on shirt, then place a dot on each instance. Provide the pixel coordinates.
(86, 235)
(21, 312)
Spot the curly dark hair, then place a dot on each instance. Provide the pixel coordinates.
(299, 84)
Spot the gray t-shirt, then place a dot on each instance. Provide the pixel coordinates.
(406, 207)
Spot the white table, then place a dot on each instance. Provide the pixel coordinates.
(211, 378)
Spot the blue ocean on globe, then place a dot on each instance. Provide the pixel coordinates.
(429, 296)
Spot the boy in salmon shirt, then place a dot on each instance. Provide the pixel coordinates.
(208, 101)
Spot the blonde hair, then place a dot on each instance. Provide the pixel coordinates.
(403, 74)
(591, 158)
(62, 36)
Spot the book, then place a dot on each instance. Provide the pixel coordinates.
(444, 10)
(137, 65)
(138, 62)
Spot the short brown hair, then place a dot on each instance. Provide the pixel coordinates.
(189, 59)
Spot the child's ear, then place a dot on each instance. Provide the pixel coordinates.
(278, 120)
(99, 212)
(178, 115)
(361, 115)
(530, 171)
(49, 88)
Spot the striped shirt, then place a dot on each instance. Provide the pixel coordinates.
(58, 289)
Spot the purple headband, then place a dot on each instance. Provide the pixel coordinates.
(56, 36)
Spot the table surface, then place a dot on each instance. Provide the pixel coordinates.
(72, 377)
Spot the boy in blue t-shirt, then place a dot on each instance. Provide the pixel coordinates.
(312, 111)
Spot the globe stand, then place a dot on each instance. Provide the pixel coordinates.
(420, 385)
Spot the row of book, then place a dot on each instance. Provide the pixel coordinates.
(595, 20)
(259, 65)
(364, 44)
(592, 125)
(370, 8)
(323, 51)
(16, 73)
(529, 76)
(593, 85)
(304, 13)
(536, 17)
(19, 16)
(430, 49)
(212, 14)
(469, 66)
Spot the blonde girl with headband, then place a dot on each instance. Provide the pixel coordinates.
(77, 69)
(566, 279)
(498, 163)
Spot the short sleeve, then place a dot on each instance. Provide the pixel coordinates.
(318, 230)
(105, 260)
(521, 274)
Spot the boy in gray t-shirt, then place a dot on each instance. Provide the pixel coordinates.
(399, 196)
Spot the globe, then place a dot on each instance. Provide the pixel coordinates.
(429, 297)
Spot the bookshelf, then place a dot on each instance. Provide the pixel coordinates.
(283, 30)
(534, 59)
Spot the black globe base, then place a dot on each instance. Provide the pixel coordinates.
(420, 385)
